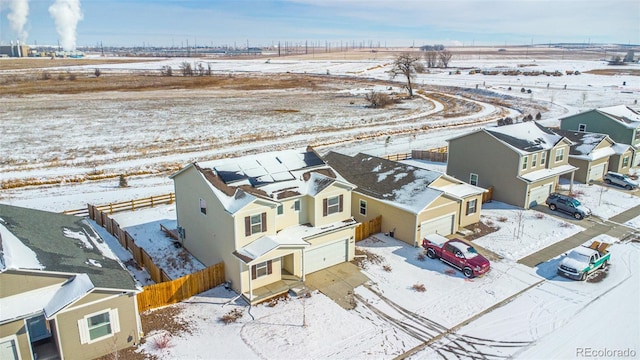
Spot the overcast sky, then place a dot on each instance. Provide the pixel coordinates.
(267, 22)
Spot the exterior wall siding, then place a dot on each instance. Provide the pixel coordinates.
(19, 329)
(466, 220)
(17, 282)
(495, 163)
(599, 123)
(404, 222)
(67, 322)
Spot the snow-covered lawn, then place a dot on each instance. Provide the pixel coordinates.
(634, 223)
(562, 317)
(604, 201)
(521, 232)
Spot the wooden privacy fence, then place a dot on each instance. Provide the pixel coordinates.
(365, 229)
(437, 154)
(398, 157)
(130, 205)
(487, 196)
(171, 292)
(140, 256)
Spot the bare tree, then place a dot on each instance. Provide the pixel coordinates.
(431, 57)
(186, 68)
(445, 57)
(209, 70)
(407, 65)
(166, 71)
(377, 99)
(201, 69)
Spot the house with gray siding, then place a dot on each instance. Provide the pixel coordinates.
(590, 152)
(620, 122)
(522, 162)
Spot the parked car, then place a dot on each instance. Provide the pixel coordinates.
(620, 180)
(583, 260)
(567, 204)
(456, 253)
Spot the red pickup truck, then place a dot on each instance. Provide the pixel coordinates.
(456, 253)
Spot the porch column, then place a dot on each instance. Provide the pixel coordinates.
(250, 286)
(302, 257)
(573, 173)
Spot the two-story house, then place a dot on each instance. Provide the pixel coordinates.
(523, 162)
(271, 218)
(590, 152)
(412, 201)
(63, 292)
(620, 122)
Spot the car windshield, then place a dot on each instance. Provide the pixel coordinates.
(575, 202)
(470, 252)
(578, 256)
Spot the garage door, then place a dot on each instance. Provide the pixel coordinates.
(442, 226)
(539, 194)
(323, 256)
(596, 172)
(8, 350)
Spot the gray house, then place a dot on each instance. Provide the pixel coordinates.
(63, 293)
(591, 153)
(621, 123)
(522, 162)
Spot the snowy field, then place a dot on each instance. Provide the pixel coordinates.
(68, 136)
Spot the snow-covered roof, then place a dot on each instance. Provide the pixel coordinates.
(292, 237)
(547, 173)
(526, 137)
(461, 190)
(47, 241)
(585, 144)
(47, 300)
(625, 115)
(270, 176)
(620, 149)
(397, 184)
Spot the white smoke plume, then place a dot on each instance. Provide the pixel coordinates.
(18, 13)
(66, 14)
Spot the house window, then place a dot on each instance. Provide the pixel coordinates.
(525, 159)
(559, 154)
(625, 161)
(296, 205)
(582, 127)
(473, 179)
(534, 160)
(472, 206)
(203, 206)
(363, 207)
(280, 209)
(332, 205)
(261, 269)
(255, 224)
(98, 326)
(543, 158)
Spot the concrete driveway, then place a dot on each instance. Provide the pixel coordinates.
(337, 282)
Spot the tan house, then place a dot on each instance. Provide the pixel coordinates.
(621, 160)
(413, 202)
(523, 162)
(590, 153)
(271, 218)
(63, 294)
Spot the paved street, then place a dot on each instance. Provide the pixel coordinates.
(594, 227)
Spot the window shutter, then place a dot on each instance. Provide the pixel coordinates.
(247, 226)
(83, 330)
(340, 205)
(269, 270)
(264, 221)
(324, 207)
(115, 321)
(254, 273)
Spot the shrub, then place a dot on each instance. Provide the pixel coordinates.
(538, 116)
(72, 76)
(503, 219)
(539, 216)
(123, 181)
(421, 257)
(46, 75)
(378, 100)
(387, 268)
(97, 72)
(419, 287)
(231, 317)
(162, 342)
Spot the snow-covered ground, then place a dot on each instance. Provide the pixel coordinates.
(551, 320)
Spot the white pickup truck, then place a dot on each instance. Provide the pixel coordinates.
(584, 260)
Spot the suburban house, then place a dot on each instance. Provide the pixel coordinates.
(271, 218)
(590, 153)
(412, 201)
(64, 294)
(620, 161)
(522, 162)
(620, 122)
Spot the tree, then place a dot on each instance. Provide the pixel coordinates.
(377, 99)
(431, 57)
(97, 72)
(123, 181)
(407, 65)
(445, 57)
(186, 68)
(166, 71)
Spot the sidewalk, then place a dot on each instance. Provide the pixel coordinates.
(613, 227)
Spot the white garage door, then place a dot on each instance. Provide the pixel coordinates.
(323, 256)
(442, 226)
(8, 350)
(596, 172)
(539, 194)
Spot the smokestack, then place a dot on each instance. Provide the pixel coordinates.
(12, 55)
(18, 47)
